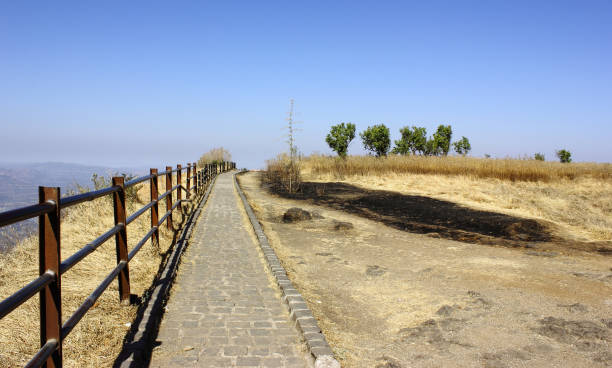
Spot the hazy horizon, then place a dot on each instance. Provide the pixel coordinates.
(109, 83)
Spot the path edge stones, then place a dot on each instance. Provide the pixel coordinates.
(137, 347)
(298, 310)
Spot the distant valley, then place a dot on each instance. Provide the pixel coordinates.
(19, 184)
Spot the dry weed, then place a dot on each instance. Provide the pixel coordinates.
(283, 174)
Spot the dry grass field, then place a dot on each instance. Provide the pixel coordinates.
(97, 339)
(502, 169)
(575, 197)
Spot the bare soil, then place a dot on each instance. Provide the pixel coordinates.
(409, 281)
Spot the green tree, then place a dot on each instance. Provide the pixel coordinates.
(442, 139)
(376, 139)
(564, 156)
(413, 140)
(339, 138)
(539, 156)
(462, 146)
(430, 148)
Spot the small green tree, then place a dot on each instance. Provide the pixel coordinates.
(462, 146)
(413, 140)
(376, 139)
(430, 148)
(100, 182)
(564, 156)
(539, 156)
(339, 138)
(402, 146)
(442, 139)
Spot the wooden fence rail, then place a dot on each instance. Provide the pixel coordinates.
(48, 284)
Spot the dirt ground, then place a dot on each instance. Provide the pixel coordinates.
(390, 292)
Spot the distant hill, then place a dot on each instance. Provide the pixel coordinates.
(19, 187)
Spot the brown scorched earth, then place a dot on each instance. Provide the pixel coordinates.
(387, 296)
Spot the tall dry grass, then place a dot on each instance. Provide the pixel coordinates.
(503, 169)
(577, 196)
(215, 155)
(283, 173)
(97, 339)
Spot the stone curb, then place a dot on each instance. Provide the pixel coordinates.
(298, 310)
(136, 348)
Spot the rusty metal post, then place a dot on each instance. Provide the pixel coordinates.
(179, 181)
(155, 208)
(204, 171)
(195, 180)
(188, 180)
(169, 196)
(49, 260)
(121, 240)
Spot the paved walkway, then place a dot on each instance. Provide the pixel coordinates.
(224, 310)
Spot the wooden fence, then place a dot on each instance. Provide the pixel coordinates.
(48, 284)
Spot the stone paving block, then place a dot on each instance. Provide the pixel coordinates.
(248, 361)
(236, 350)
(272, 362)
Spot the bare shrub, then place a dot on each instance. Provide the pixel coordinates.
(215, 156)
(283, 174)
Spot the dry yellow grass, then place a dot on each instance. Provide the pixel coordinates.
(503, 169)
(97, 339)
(576, 197)
(283, 173)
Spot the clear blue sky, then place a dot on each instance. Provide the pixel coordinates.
(515, 77)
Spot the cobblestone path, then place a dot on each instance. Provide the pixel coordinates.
(224, 310)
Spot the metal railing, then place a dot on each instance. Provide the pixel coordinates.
(48, 284)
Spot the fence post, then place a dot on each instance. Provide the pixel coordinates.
(205, 173)
(121, 240)
(169, 196)
(195, 179)
(179, 181)
(49, 259)
(188, 180)
(155, 207)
